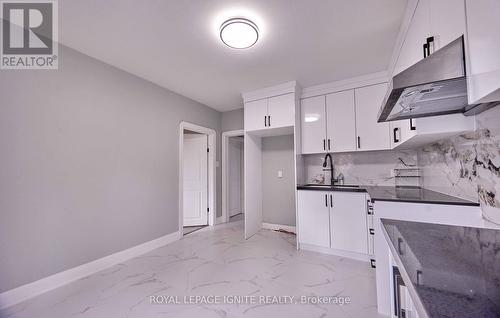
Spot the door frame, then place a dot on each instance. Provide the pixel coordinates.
(225, 175)
(212, 171)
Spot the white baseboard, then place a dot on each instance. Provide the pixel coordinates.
(277, 227)
(22, 293)
(336, 252)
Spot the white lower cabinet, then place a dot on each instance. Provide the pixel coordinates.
(335, 220)
(314, 218)
(348, 222)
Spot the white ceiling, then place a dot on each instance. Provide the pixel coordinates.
(174, 43)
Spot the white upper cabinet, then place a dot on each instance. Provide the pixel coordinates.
(447, 19)
(419, 30)
(443, 20)
(272, 112)
(483, 50)
(427, 130)
(341, 121)
(256, 115)
(344, 121)
(313, 121)
(371, 135)
(281, 111)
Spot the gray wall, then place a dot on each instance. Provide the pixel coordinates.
(89, 164)
(278, 197)
(232, 120)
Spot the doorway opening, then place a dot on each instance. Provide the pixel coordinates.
(233, 190)
(196, 177)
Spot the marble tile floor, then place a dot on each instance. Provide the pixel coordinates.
(215, 261)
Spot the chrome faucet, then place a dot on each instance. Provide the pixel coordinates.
(325, 163)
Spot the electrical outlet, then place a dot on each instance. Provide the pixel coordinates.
(280, 173)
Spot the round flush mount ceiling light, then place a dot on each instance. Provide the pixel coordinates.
(239, 33)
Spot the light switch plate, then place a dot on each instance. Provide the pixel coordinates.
(280, 173)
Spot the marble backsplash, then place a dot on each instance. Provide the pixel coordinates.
(362, 168)
(467, 165)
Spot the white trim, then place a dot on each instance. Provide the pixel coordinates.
(212, 170)
(219, 220)
(25, 292)
(277, 227)
(346, 84)
(281, 89)
(225, 140)
(336, 252)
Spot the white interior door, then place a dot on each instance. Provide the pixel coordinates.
(235, 153)
(195, 179)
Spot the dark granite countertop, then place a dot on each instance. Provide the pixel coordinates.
(396, 194)
(458, 267)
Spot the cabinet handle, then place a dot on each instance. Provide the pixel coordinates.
(359, 142)
(326, 200)
(419, 277)
(400, 243)
(269, 120)
(331, 200)
(412, 127)
(324, 144)
(372, 263)
(328, 143)
(395, 131)
(265, 121)
(372, 232)
(430, 45)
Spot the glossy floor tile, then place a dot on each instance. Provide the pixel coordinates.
(216, 261)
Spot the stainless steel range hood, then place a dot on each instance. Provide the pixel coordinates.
(437, 85)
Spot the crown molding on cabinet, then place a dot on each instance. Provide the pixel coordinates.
(281, 89)
(346, 84)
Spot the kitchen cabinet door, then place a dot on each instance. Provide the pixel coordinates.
(255, 115)
(313, 218)
(371, 135)
(341, 122)
(281, 110)
(402, 130)
(348, 222)
(482, 50)
(419, 30)
(447, 19)
(313, 125)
